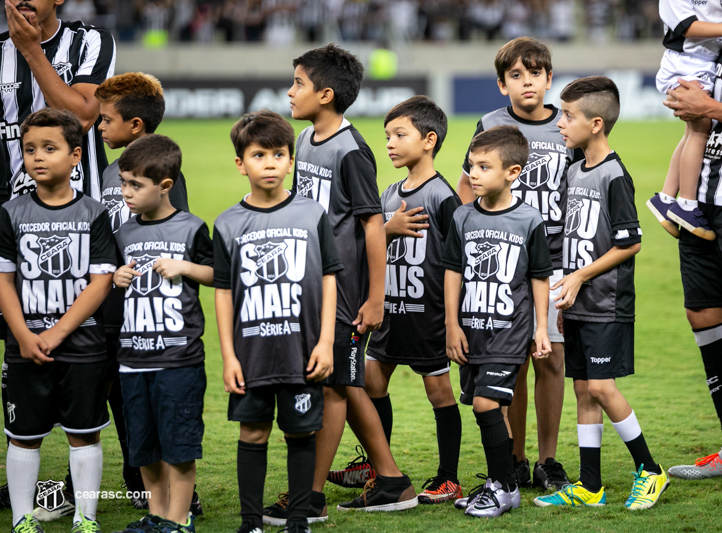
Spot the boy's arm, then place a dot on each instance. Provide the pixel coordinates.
(704, 30)
(371, 313)
(232, 373)
(456, 343)
(540, 292)
(32, 346)
(320, 364)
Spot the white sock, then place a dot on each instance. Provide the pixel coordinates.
(590, 435)
(628, 428)
(22, 470)
(666, 198)
(687, 205)
(86, 469)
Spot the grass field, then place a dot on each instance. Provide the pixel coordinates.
(668, 391)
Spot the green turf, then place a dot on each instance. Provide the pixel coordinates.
(668, 392)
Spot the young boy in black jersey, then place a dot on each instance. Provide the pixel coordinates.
(276, 261)
(497, 248)
(166, 255)
(418, 212)
(524, 69)
(336, 168)
(601, 237)
(56, 263)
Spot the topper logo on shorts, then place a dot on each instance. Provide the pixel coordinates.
(303, 403)
(600, 360)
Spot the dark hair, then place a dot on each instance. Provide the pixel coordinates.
(334, 68)
(596, 96)
(425, 115)
(533, 54)
(266, 128)
(134, 94)
(508, 141)
(54, 118)
(155, 157)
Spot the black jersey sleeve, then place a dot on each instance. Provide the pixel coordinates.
(358, 175)
(102, 241)
(623, 213)
(178, 194)
(329, 253)
(202, 247)
(8, 246)
(453, 258)
(98, 61)
(479, 128)
(445, 214)
(221, 261)
(540, 260)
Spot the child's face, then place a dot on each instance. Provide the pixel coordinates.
(265, 167)
(116, 132)
(525, 87)
(576, 129)
(140, 194)
(305, 101)
(47, 156)
(404, 143)
(487, 174)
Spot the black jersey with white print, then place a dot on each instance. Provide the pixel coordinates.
(79, 54)
(709, 189)
(273, 261)
(413, 330)
(340, 174)
(543, 181)
(162, 318)
(600, 215)
(497, 253)
(53, 250)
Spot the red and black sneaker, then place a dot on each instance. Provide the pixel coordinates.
(440, 490)
(356, 473)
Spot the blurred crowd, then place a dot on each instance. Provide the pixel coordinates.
(283, 22)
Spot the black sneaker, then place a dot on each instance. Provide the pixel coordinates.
(196, 507)
(249, 528)
(4, 497)
(134, 484)
(384, 494)
(144, 525)
(277, 513)
(523, 474)
(296, 528)
(550, 475)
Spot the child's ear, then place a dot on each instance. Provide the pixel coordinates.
(137, 125)
(77, 154)
(597, 125)
(430, 141)
(513, 172)
(326, 96)
(240, 166)
(502, 87)
(290, 166)
(549, 80)
(166, 185)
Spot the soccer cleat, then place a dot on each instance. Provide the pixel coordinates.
(461, 503)
(523, 474)
(248, 528)
(573, 496)
(440, 490)
(277, 513)
(196, 507)
(168, 526)
(384, 494)
(693, 221)
(659, 210)
(134, 484)
(4, 497)
(515, 496)
(550, 475)
(85, 525)
(144, 525)
(710, 466)
(28, 524)
(66, 509)
(356, 473)
(490, 502)
(647, 489)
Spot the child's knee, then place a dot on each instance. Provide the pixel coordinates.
(256, 433)
(482, 404)
(439, 391)
(602, 390)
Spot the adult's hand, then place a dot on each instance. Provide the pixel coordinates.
(690, 102)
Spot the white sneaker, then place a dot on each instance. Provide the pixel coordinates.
(491, 502)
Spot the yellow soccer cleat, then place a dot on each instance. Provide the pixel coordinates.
(573, 496)
(647, 489)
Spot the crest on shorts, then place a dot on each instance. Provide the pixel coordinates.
(149, 279)
(54, 258)
(65, 71)
(486, 259)
(536, 172)
(574, 215)
(10, 410)
(396, 250)
(303, 403)
(305, 186)
(271, 263)
(50, 494)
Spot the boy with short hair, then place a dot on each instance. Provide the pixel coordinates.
(601, 237)
(166, 255)
(276, 261)
(524, 69)
(418, 212)
(497, 248)
(56, 262)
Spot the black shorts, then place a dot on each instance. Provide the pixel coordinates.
(300, 407)
(348, 357)
(488, 380)
(425, 370)
(163, 413)
(72, 395)
(598, 350)
(700, 263)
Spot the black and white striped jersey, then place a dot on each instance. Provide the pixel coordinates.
(162, 318)
(273, 261)
(53, 250)
(80, 54)
(413, 330)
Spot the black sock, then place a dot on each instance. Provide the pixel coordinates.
(386, 414)
(511, 472)
(709, 341)
(590, 468)
(448, 437)
(495, 439)
(641, 455)
(251, 469)
(301, 466)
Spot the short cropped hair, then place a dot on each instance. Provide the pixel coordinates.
(48, 117)
(334, 68)
(152, 156)
(265, 128)
(425, 115)
(533, 54)
(508, 141)
(134, 94)
(596, 96)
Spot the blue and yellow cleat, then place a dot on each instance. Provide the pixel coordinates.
(647, 489)
(573, 496)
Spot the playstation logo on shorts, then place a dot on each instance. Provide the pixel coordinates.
(50, 494)
(303, 403)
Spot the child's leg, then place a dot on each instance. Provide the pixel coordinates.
(301, 463)
(548, 400)
(516, 413)
(182, 480)
(697, 132)
(671, 181)
(23, 465)
(86, 469)
(448, 424)
(378, 375)
(494, 437)
(589, 432)
(328, 438)
(155, 479)
(251, 469)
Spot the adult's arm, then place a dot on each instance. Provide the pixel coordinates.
(690, 102)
